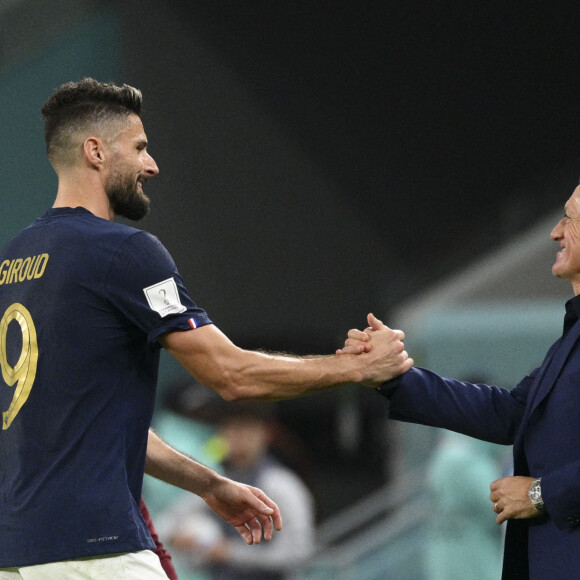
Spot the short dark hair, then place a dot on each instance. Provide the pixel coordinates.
(77, 106)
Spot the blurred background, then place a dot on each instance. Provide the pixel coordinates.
(320, 160)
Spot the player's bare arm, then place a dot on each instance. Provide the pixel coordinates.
(237, 374)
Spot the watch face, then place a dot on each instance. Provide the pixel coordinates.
(535, 495)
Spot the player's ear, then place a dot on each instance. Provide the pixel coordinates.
(93, 151)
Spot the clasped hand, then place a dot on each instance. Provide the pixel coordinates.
(390, 357)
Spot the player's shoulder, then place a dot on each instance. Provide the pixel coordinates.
(79, 221)
(102, 233)
(77, 231)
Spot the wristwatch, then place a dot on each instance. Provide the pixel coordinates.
(535, 495)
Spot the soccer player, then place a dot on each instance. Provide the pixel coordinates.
(86, 304)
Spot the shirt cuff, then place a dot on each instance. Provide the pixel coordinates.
(388, 388)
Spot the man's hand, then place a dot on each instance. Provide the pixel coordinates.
(509, 496)
(384, 349)
(246, 508)
(356, 343)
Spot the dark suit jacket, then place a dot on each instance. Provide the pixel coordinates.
(541, 418)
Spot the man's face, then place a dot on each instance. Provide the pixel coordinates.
(567, 234)
(130, 167)
(247, 440)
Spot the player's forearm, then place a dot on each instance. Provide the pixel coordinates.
(167, 464)
(238, 374)
(273, 376)
(255, 375)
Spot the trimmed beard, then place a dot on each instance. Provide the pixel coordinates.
(125, 198)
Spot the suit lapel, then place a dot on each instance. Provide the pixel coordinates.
(544, 382)
(552, 369)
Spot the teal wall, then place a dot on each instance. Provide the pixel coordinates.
(499, 343)
(28, 183)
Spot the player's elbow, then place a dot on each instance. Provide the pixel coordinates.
(236, 389)
(234, 393)
(231, 393)
(231, 387)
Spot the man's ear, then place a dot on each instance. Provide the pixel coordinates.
(93, 151)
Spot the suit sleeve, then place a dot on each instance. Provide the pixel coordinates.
(561, 495)
(485, 412)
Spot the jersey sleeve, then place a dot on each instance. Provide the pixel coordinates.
(144, 285)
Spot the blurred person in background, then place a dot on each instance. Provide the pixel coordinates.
(462, 540)
(245, 435)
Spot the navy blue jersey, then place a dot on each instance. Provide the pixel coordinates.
(83, 302)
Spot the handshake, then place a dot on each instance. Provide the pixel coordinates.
(381, 348)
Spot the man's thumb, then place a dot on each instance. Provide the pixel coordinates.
(374, 322)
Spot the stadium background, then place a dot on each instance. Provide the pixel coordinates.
(318, 161)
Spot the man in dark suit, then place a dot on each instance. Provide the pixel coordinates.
(540, 417)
